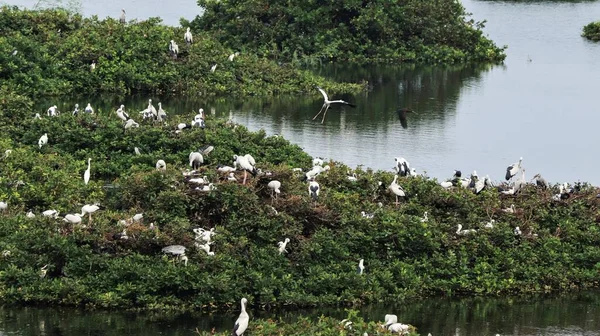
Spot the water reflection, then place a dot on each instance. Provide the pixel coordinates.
(566, 315)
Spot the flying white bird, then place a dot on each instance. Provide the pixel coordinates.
(328, 103)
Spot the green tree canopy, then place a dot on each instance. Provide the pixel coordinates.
(437, 31)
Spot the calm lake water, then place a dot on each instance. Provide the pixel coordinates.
(567, 315)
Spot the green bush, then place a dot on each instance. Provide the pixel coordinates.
(591, 31)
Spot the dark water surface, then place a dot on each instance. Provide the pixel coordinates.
(567, 315)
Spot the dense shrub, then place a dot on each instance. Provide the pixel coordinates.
(50, 52)
(382, 31)
(591, 31)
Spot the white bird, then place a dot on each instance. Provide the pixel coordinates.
(43, 271)
(189, 39)
(131, 123)
(208, 187)
(76, 110)
(150, 109)
(245, 162)
(327, 103)
(313, 190)
(52, 111)
(200, 115)
(510, 209)
(161, 114)
(520, 183)
(352, 178)
(182, 126)
(397, 189)
(242, 322)
(50, 213)
(225, 169)
(89, 109)
(402, 166)
(93, 65)
(389, 319)
(173, 49)
(425, 219)
(137, 151)
(490, 224)
(213, 68)
(462, 232)
(275, 188)
(232, 177)
(122, 114)
(361, 266)
(86, 175)
(43, 140)
(196, 159)
(161, 165)
(122, 18)
(205, 248)
(541, 182)
(230, 58)
(73, 218)
(517, 231)
(3, 206)
(316, 162)
(138, 217)
(199, 180)
(183, 259)
(399, 328)
(367, 215)
(30, 214)
(37, 116)
(89, 209)
(513, 169)
(282, 245)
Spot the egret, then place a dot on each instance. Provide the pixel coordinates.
(282, 245)
(247, 163)
(93, 65)
(424, 219)
(389, 319)
(313, 190)
(513, 169)
(52, 111)
(122, 18)
(161, 165)
(76, 110)
(274, 186)
(161, 114)
(397, 189)
(89, 209)
(173, 49)
(3, 206)
(327, 103)
(73, 218)
(189, 39)
(242, 321)
(50, 213)
(361, 266)
(462, 232)
(86, 175)
(136, 151)
(122, 114)
(213, 68)
(402, 166)
(541, 182)
(131, 123)
(43, 140)
(196, 159)
(89, 109)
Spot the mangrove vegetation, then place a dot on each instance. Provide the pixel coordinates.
(591, 31)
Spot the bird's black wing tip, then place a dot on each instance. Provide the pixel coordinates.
(351, 105)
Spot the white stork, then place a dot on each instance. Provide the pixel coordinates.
(327, 103)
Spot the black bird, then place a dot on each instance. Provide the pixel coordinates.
(402, 116)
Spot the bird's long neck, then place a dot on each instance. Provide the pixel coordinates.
(243, 307)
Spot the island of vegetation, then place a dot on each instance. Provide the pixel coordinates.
(591, 31)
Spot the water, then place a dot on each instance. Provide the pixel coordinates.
(567, 315)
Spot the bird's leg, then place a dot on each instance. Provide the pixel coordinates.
(396, 199)
(90, 219)
(245, 175)
(324, 113)
(321, 110)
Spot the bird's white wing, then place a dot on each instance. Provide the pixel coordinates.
(323, 93)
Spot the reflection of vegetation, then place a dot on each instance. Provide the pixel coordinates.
(50, 52)
(591, 31)
(382, 31)
(405, 257)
